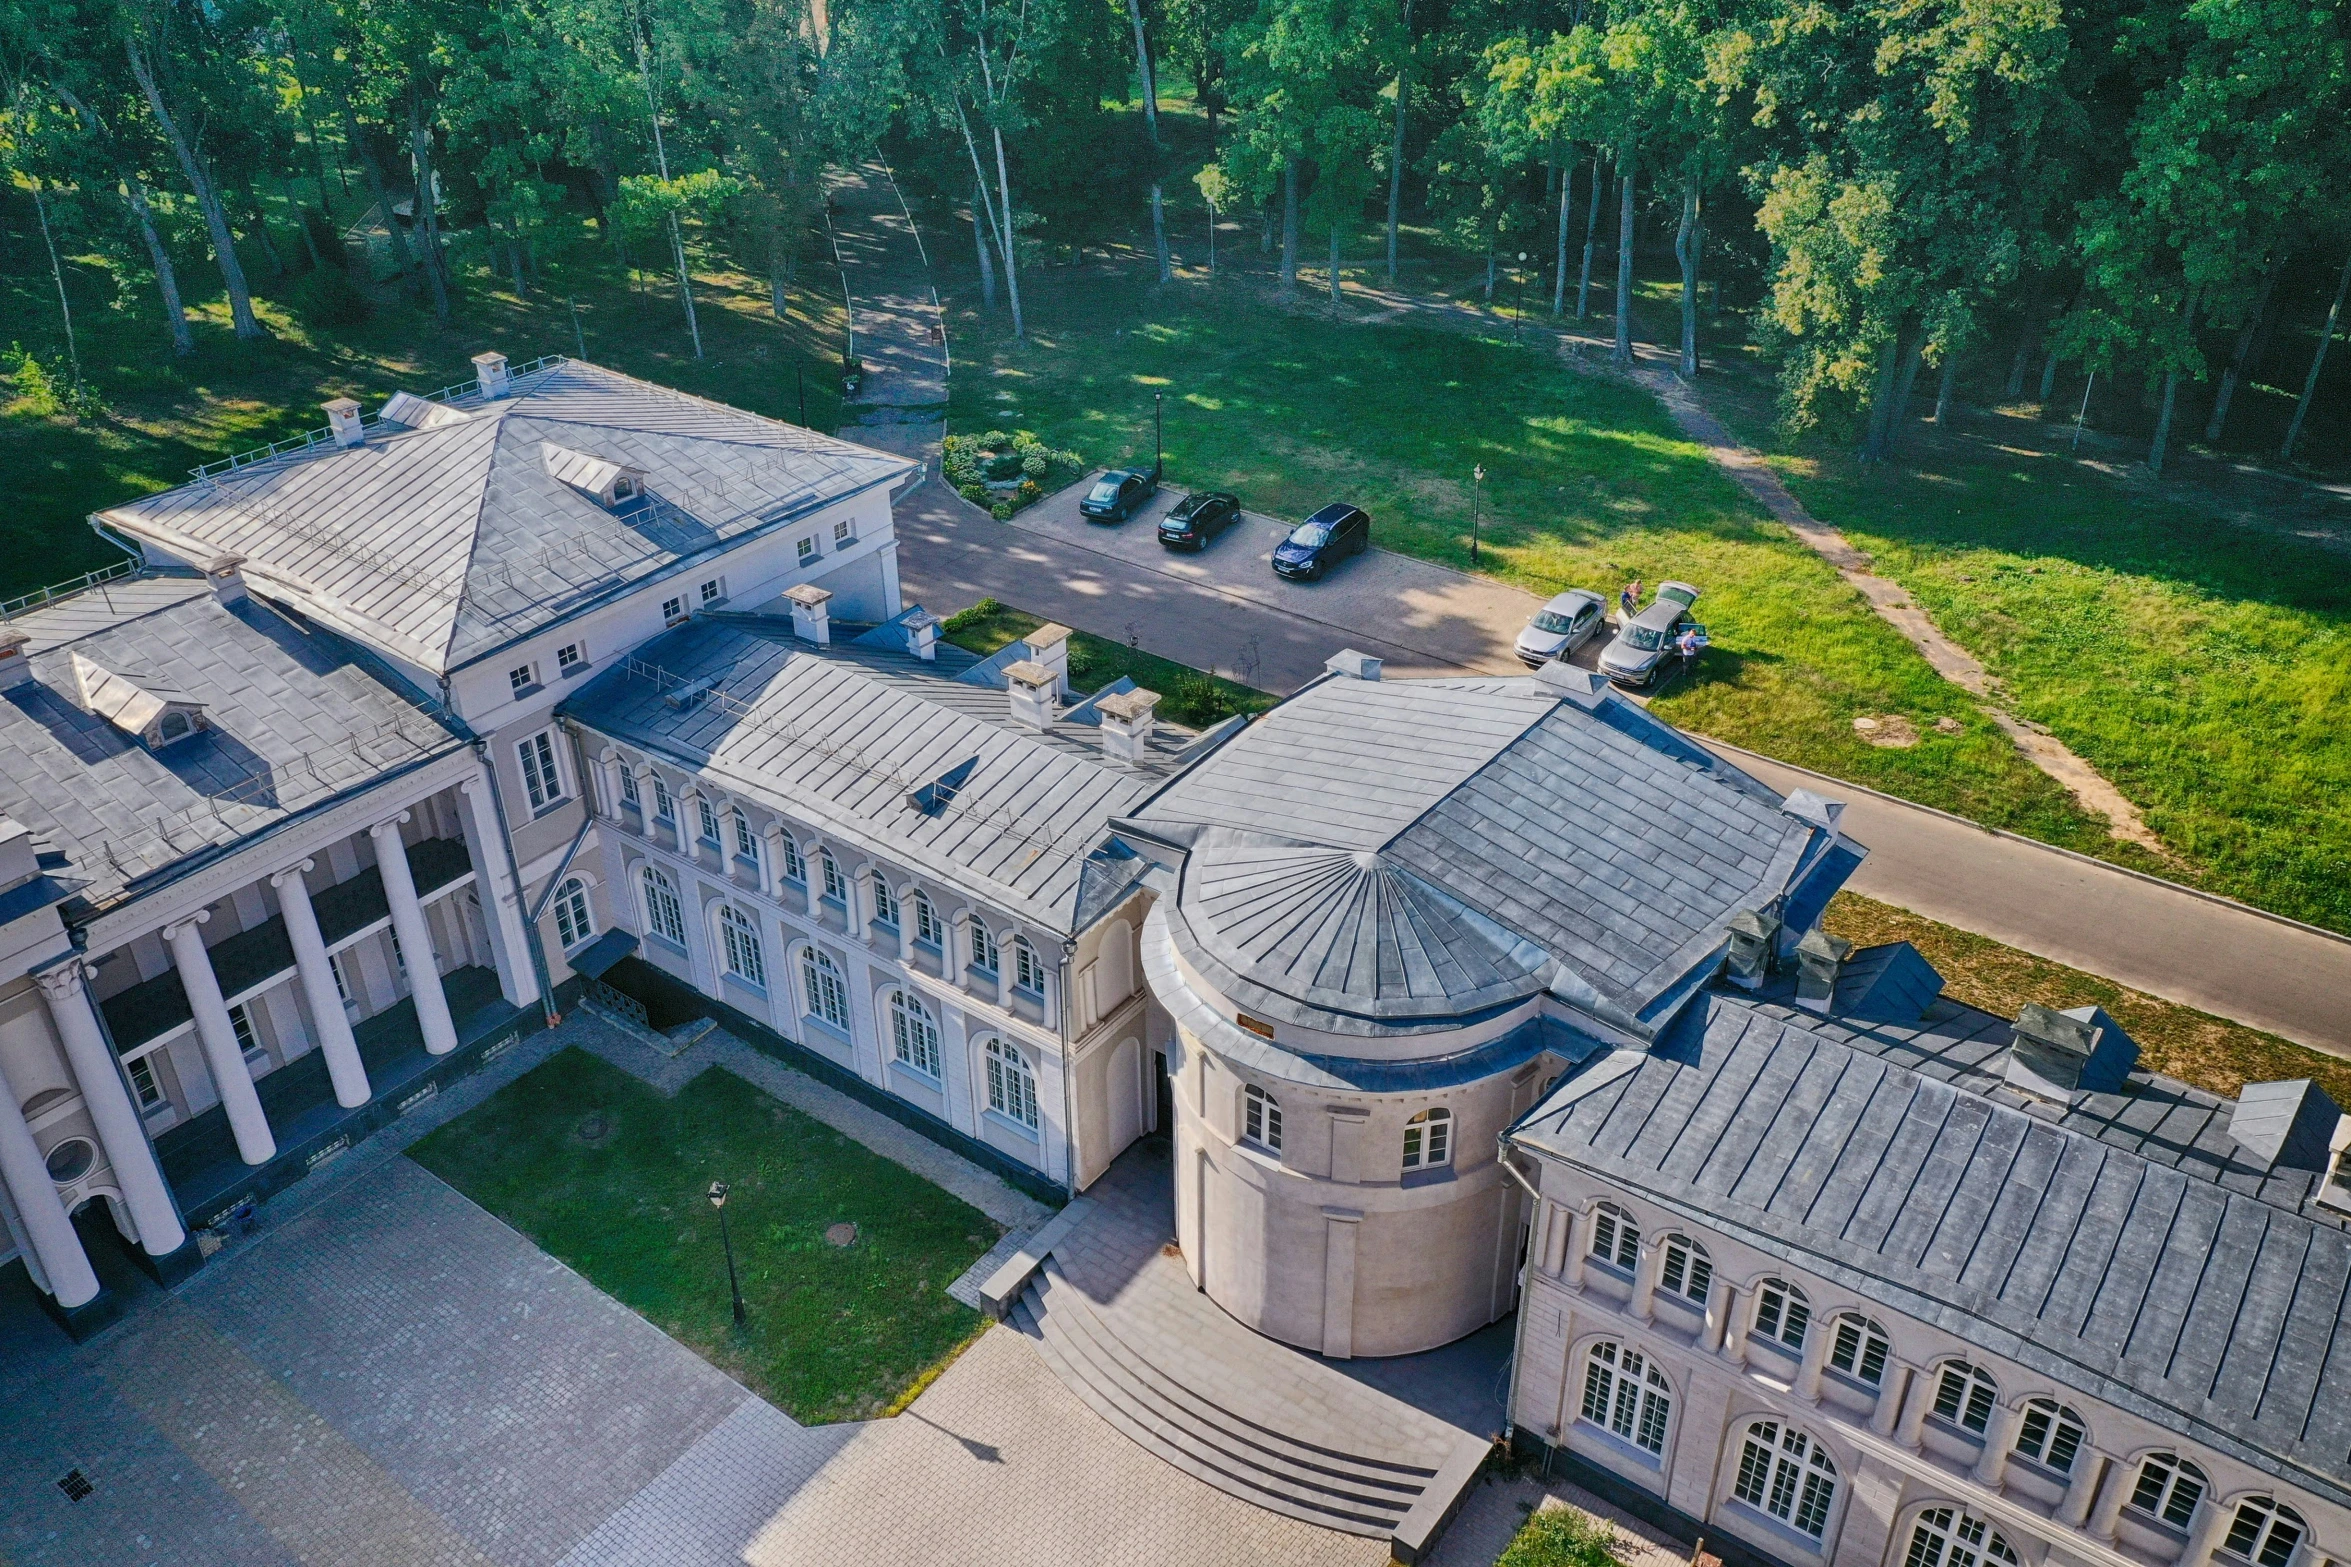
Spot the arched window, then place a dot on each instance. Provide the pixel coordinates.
(707, 818)
(2168, 1490)
(174, 725)
(2051, 1435)
(927, 928)
(828, 997)
(1964, 1396)
(1626, 1393)
(885, 902)
(628, 786)
(794, 868)
(746, 842)
(664, 808)
(1946, 1537)
(1686, 1272)
(983, 947)
(1012, 1087)
(1616, 1239)
(1786, 1475)
(1781, 1314)
(834, 887)
(2264, 1533)
(572, 922)
(1028, 970)
(664, 917)
(1261, 1119)
(1428, 1140)
(1859, 1349)
(739, 941)
(914, 1037)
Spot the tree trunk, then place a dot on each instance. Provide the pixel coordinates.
(167, 280)
(1559, 269)
(1943, 389)
(269, 248)
(1874, 440)
(426, 218)
(2241, 359)
(1685, 250)
(1622, 354)
(2317, 363)
(73, 349)
(1583, 293)
(979, 239)
(1900, 420)
(1334, 263)
(2048, 379)
(1490, 238)
(1290, 228)
(2171, 390)
(1151, 119)
(216, 222)
(1005, 236)
(377, 188)
(302, 222)
(514, 254)
(1396, 143)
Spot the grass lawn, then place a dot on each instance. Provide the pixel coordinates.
(608, 1176)
(1187, 695)
(1587, 484)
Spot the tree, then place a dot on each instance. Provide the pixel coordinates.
(146, 44)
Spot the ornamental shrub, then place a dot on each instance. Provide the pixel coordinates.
(993, 439)
(1030, 492)
(1563, 1537)
(1002, 511)
(1034, 463)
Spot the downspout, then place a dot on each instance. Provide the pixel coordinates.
(530, 928)
(1518, 1335)
(1069, 1066)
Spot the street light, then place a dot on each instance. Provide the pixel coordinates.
(1518, 301)
(1476, 492)
(718, 1200)
(1158, 445)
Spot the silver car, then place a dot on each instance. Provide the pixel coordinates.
(1645, 642)
(1560, 627)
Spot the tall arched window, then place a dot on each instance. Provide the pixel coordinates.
(834, 887)
(1616, 1239)
(1626, 1393)
(1261, 1119)
(1859, 1349)
(1686, 1271)
(664, 916)
(1428, 1140)
(1965, 1396)
(794, 868)
(664, 807)
(573, 924)
(739, 942)
(1781, 1314)
(927, 928)
(828, 996)
(2051, 1435)
(746, 842)
(628, 786)
(885, 902)
(1946, 1537)
(2168, 1489)
(914, 1037)
(1786, 1475)
(707, 818)
(983, 947)
(1012, 1087)
(1028, 970)
(2263, 1533)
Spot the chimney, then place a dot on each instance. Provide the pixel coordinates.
(811, 620)
(1030, 687)
(343, 426)
(1824, 813)
(490, 370)
(922, 636)
(2056, 1055)
(2290, 1124)
(1127, 724)
(1580, 686)
(1818, 958)
(1049, 648)
(1754, 933)
(16, 668)
(227, 576)
(1354, 665)
(20, 859)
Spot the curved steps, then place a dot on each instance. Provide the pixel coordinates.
(1185, 1427)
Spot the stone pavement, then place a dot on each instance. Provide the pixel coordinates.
(1493, 1512)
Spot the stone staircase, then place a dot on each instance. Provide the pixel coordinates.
(1188, 1427)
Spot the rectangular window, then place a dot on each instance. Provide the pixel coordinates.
(709, 818)
(1615, 1239)
(983, 948)
(247, 1041)
(399, 958)
(885, 906)
(522, 679)
(746, 846)
(628, 785)
(540, 780)
(143, 1083)
(794, 868)
(834, 887)
(926, 923)
(342, 980)
(714, 591)
(673, 611)
(664, 807)
(572, 922)
(845, 532)
(807, 551)
(1028, 970)
(571, 658)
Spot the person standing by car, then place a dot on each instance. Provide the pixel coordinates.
(1690, 644)
(1629, 601)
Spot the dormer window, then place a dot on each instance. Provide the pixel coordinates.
(609, 483)
(625, 488)
(138, 704)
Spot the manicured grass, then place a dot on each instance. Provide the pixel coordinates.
(2199, 1049)
(1587, 484)
(1187, 696)
(1559, 1536)
(836, 1332)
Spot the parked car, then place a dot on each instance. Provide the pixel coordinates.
(1331, 534)
(1644, 642)
(1118, 495)
(1200, 518)
(1560, 627)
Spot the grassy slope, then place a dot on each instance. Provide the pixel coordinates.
(1587, 484)
(836, 1333)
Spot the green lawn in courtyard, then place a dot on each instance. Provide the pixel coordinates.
(1188, 696)
(610, 1178)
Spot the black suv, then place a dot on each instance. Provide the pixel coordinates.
(1200, 518)
(1333, 533)
(1118, 495)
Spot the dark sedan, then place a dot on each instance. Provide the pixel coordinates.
(1200, 518)
(1331, 534)
(1118, 495)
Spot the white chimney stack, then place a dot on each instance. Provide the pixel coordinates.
(1049, 647)
(343, 426)
(811, 620)
(1353, 665)
(1031, 687)
(1127, 724)
(490, 370)
(15, 667)
(922, 636)
(227, 576)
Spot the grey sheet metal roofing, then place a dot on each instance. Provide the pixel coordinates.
(298, 719)
(2121, 1248)
(845, 738)
(1376, 855)
(442, 545)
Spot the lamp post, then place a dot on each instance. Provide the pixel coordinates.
(718, 1200)
(1477, 491)
(800, 381)
(1518, 297)
(1158, 443)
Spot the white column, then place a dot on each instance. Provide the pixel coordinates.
(1889, 1405)
(1720, 1298)
(501, 901)
(1914, 1408)
(608, 765)
(231, 1078)
(48, 1227)
(1991, 1465)
(109, 1104)
(1578, 1226)
(2204, 1535)
(2106, 1517)
(1652, 1262)
(416, 941)
(344, 1067)
(2082, 1488)
(1734, 1332)
(1816, 1355)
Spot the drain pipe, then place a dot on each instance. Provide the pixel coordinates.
(1069, 1130)
(1518, 1337)
(530, 928)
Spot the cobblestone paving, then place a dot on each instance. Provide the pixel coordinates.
(1493, 1513)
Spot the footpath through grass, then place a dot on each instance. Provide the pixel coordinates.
(1587, 484)
(608, 1176)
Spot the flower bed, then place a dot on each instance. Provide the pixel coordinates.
(1004, 472)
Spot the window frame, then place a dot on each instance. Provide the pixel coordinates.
(628, 787)
(1012, 1084)
(711, 592)
(665, 804)
(1796, 1480)
(795, 868)
(522, 680)
(826, 998)
(1261, 1120)
(1615, 1239)
(1958, 1547)
(1696, 1271)
(1868, 1338)
(541, 760)
(742, 955)
(570, 659)
(1973, 1403)
(929, 929)
(1028, 969)
(706, 826)
(885, 901)
(2258, 1520)
(806, 551)
(836, 886)
(2054, 1420)
(247, 1035)
(1781, 1309)
(984, 952)
(140, 1069)
(673, 611)
(746, 841)
(1626, 1396)
(570, 906)
(914, 1036)
(659, 901)
(844, 531)
(2178, 1472)
(1428, 1140)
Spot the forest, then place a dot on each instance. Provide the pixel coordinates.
(1885, 194)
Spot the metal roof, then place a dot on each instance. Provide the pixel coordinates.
(2122, 1246)
(440, 544)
